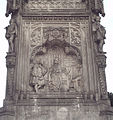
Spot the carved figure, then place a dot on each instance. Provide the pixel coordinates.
(12, 7)
(59, 77)
(11, 33)
(99, 33)
(9, 7)
(101, 7)
(76, 82)
(38, 76)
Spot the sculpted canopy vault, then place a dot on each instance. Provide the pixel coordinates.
(56, 65)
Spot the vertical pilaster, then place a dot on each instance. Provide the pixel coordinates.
(101, 63)
(10, 63)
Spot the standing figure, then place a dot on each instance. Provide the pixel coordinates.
(11, 33)
(99, 33)
(59, 76)
(38, 76)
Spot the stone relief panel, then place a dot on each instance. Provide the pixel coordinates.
(56, 70)
(70, 33)
(38, 76)
(56, 60)
(35, 37)
(52, 33)
(75, 34)
(55, 4)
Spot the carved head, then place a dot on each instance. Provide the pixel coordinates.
(56, 60)
(98, 18)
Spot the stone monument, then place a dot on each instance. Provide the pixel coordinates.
(56, 63)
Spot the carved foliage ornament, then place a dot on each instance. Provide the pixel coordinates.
(55, 4)
(60, 33)
(71, 35)
(36, 37)
(75, 36)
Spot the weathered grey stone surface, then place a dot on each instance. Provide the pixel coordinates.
(56, 63)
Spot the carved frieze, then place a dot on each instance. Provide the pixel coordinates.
(71, 33)
(54, 4)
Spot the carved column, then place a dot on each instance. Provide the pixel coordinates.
(10, 63)
(101, 63)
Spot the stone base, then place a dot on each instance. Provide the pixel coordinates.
(74, 111)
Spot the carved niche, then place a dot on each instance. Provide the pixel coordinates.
(56, 62)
